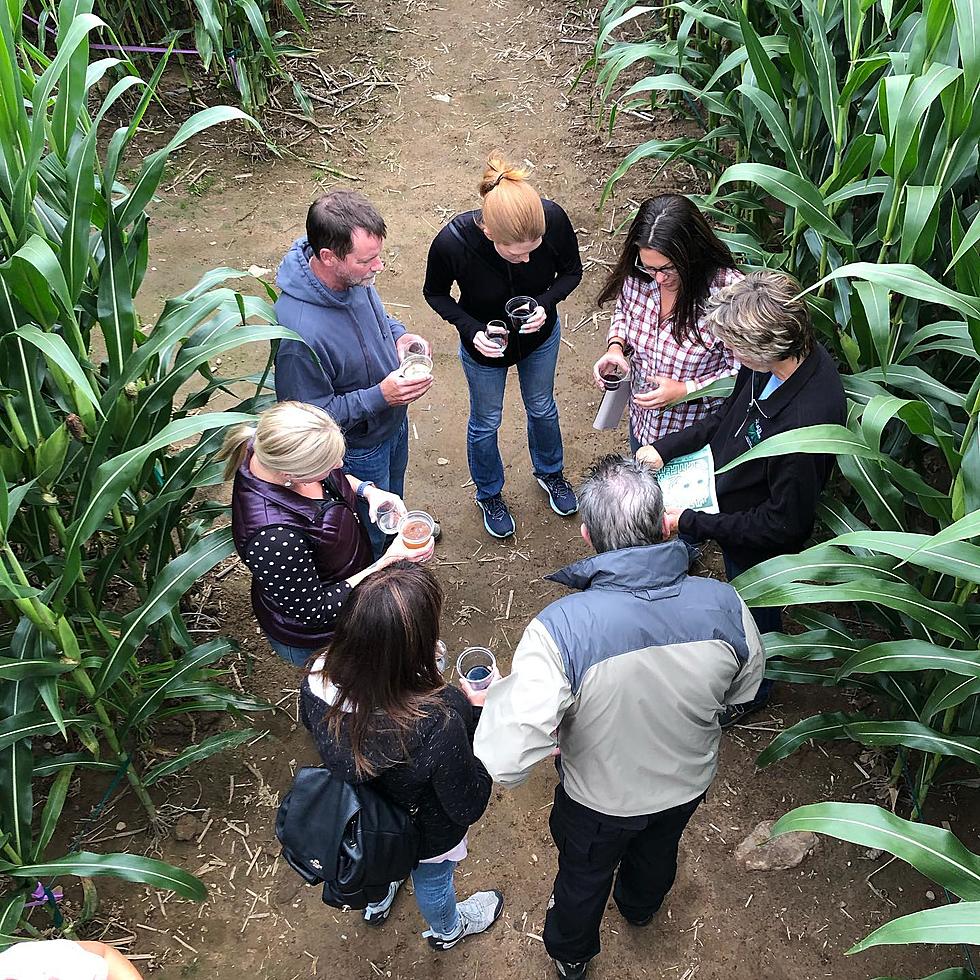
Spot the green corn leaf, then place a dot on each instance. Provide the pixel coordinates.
(813, 645)
(954, 558)
(820, 728)
(115, 301)
(198, 752)
(916, 736)
(920, 221)
(954, 974)
(11, 909)
(875, 301)
(129, 867)
(948, 693)
(12, 669)
(932, 851)
(946, 924)
(50, 765)
(792, 190)
(906, 655)
(913, 379)
(57, 352)
(907, 280)
(177, 577)
(775, 119)
(828, 439)
(34, 724)
(112, 477)
(57, 794)
(182, 672)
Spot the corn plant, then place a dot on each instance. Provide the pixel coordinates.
(105, 455)
(236, 40)
(933, 852)
(838, 140)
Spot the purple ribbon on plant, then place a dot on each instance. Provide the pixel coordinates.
(45, 896)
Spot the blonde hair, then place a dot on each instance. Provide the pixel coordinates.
(292, 438)
(762, 316)
(512, 209)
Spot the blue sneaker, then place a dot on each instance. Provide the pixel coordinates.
(561, 496)
(496, 516)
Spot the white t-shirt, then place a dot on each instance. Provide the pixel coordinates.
(53, 959)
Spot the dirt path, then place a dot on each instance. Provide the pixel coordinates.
(504, 69)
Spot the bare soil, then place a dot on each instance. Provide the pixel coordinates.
(471, 77)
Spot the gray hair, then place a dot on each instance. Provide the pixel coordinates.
(762, 317)
(622, 505)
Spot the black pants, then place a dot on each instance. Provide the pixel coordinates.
(591, 846)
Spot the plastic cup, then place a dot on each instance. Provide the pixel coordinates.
(477, 665)
(497, 333)
(520, 309)
(416, 366)
(640, 384)
(416, 529)
(388, 518)
(612, 378)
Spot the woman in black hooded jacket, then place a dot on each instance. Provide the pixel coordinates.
(380, 712)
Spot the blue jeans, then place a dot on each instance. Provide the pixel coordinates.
(769, 619)
(435, 896)
(384, 465)
(536, 374)
(292, 655)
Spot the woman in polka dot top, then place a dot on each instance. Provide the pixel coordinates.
(296, 527)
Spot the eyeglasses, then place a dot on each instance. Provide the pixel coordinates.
(652, 270)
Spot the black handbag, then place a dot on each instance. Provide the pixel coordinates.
(348, 836)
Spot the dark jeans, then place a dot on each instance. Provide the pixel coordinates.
(384, 465)
(769, 619)
(591, 846)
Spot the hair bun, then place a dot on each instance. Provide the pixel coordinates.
(498, 169)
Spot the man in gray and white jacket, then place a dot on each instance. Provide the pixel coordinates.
(629, 677)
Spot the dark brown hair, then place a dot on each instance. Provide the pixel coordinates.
(382, 660)
(332, 218)
(673, 226)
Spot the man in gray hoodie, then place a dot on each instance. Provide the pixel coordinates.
(328, 298)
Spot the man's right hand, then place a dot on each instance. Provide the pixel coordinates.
(484, 346)
(397, 390)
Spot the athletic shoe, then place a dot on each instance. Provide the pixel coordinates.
(571, 971)
(480, 911)
(639, 923)
(377, 913)
(561, 496)
(496, 516)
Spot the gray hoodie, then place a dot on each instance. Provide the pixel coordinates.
(353, 337)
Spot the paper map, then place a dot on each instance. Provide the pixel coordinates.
(688, 482)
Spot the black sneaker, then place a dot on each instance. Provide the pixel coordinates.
(571, 971)
(561, 496)
(496, 517)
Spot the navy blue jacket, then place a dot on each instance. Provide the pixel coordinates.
(354, 339)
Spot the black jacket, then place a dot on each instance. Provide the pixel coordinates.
(768, 506)
(463, 254)
(442, 778)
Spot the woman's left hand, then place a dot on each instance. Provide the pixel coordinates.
(536, 321)
(666, 393)
(375, 497)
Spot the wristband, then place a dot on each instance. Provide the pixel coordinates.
(361, 490)
(618, 343)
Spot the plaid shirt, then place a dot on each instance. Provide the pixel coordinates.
(655, 352)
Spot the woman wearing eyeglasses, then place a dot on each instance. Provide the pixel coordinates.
(670, 264)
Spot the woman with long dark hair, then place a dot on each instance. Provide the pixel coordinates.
(380, 712)
(670, 264)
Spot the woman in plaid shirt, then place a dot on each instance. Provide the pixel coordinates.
(670, 264)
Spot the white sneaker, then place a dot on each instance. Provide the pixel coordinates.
(377, 913)
(480, 911)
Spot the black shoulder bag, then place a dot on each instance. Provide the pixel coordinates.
(347, 836)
